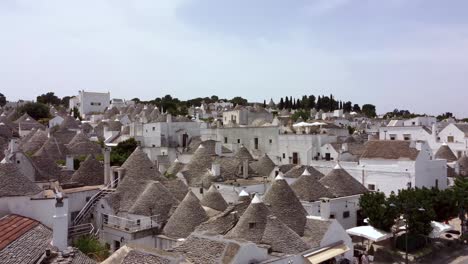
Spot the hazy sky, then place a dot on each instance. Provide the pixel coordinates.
(406, 54)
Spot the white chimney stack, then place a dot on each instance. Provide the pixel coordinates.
(69, 162)
(216, 169)
(60, 223)
(218, 148)
(245, 168)
(107, 169)
(325, 208)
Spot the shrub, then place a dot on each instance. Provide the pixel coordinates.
(92, 248)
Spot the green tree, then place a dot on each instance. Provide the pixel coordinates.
(2, 100)
(92, 248)
(238, 101)
(356, 108)
(369, 110)
(460, 189)
(65, 101)
(122, 151)
(377, 209)
(76, 113)
(35, 110)
(300, 113)
(49, 98)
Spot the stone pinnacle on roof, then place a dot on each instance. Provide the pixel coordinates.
(188, 215)
(306, 172)
(256, 199)
(243, 193)
(284, 204)
(279, 177)
(214, 200)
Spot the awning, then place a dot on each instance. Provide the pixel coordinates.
(369, 232)
(439, 228)
(326, 253)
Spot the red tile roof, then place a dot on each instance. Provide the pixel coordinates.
(14, 226)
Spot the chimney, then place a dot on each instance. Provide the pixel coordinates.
(325, 208)
(60, 223)
(169, 118)
(245, 168)
(13, 145)
(434, 132)
(107, 169)
(344, 147)
(69, 162)
(215, 169)
(218, 148)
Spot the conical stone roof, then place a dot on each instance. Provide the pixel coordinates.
(264, 166)
(54, 149)
(69, 123)
(5, 131)
(81, 145)
(188, 215)
(138, 171)
(198, 165)
(308, 188)
(14, 183)
(283, 203)
(298, 170)
(251, 224)
(445, 153)
(177, 188)
(35, 142)
(281, 238)
(463, 163)
(154, 200)
(214, 200)
(175, 167)
(340, 183)
(243, 153)
(90, 172)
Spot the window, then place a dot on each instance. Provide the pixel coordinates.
(154, 145)
(407, 137)
(332, 216)
(393, 137)
(116, 245)
(371, 187)
(18, 161)
(252, 225)
(414, 123)
(201, 190)
(95, 103)
(459, 154)
(284, 155)
(450, 139)
(238, 141)
(154, 129)
(271, 141)
(225, 140)
(437, 183)
(256, 143)
(105, 219)
(345, 214)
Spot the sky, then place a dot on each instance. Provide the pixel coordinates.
(405, 54)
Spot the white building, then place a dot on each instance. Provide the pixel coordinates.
(90, 102)
(388, 166)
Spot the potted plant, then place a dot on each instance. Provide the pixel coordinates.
(370, 253)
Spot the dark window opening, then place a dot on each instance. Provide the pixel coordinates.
(256, 143)
(346, 214)
(252, 225)
(225, 140)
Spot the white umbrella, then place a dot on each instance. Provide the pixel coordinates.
(302, 124)
(318, 124)
(369, 232)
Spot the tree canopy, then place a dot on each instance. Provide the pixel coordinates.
(35, 110)
(2, 100)
(122, 151)
(49, 99)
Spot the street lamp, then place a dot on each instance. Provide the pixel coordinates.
(407, 210)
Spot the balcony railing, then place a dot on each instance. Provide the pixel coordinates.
(130, 225)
